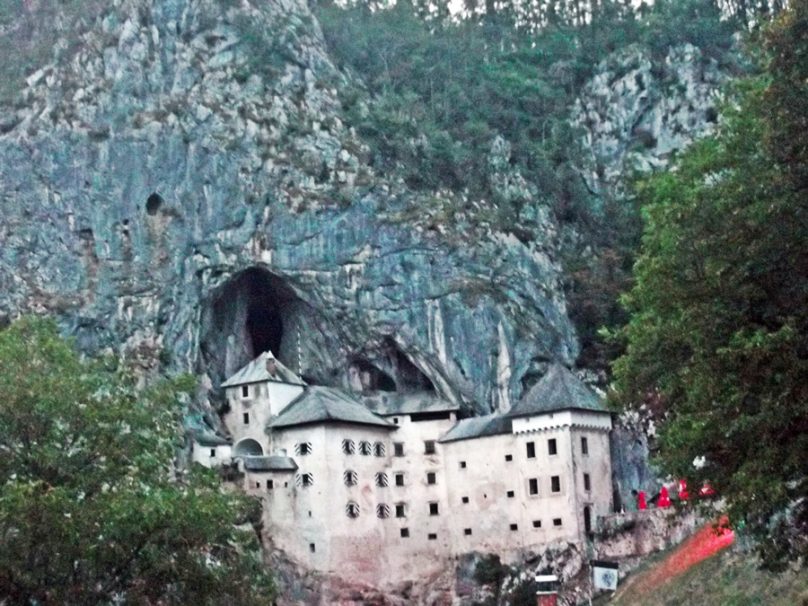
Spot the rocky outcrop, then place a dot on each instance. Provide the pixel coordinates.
(179, 186)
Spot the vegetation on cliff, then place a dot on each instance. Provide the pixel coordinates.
(92, 509)
(718, 335)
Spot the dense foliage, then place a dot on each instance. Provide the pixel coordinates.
(718, 336)
(91, 508)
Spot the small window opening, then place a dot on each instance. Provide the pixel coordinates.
(467, 532)
(378, 449)
(395, 420)
(246, 418)
(514, 527)
(270, 484)
(555, 484)
(352, 510)
(399, 479)
(510, 494)
(365, 448)
(398, 449)
(212, 453)
(462, 464)
(533, 486)
(587, 483)
(312, 548)
(584, 445)
(348, 447)
(381, 479)
(531, 450)
(401, 510)
(431, 478)
(556, 521)
(536, 523)
(303, 448)
(464, 499)
(429, 447)
(350, 477)
(432, 536)
(552, 446)
(245, 391)
(258, 484)
(433, 509)
(405, 532)
(508, 458)
(382, 511)
(304, 479)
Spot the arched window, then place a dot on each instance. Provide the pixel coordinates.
(381, 479)
(350, 478)
(378, 449)
(352, 510)
(248, 448)
(348, 447)
(382, 511)
(364, 448)
(303, 448)
(304, 479)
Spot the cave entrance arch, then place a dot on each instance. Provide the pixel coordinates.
(248, 448)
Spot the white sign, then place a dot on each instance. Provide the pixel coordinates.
(604, 575)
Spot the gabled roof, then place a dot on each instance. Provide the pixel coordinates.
(256, 372)
(270, 463)
(478, 427)
(387, 404)
(202, 433)
(323, 404)
(558, 389)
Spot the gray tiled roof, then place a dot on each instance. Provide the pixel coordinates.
(321, 404)
(270, 463)
(209, 438)
(387, 404)
(256, 372)
(477, 427)
(558, 389)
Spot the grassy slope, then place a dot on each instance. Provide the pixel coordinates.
(729, 578)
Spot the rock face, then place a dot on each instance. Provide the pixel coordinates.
(180, 187)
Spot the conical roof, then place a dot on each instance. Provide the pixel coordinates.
(558, 389)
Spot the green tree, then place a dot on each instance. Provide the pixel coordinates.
(717, 342)
(92, 508)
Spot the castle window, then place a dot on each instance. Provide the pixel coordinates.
(348, 447)
(429, 447)
(399, 479)
(508, 458)
(587, 483)
(556, 521)
(381, 479)
(432, 536)
(246, 418)
(398, 449)
(531, 450)
(584, 446)
(462, 464)
(382, 511)
(303, 448)
(401, 510)
(514, 527)
(510, 494)
(245, 391)
(536, 523)
(431, 477)
(349, 477)
(433, 509)
(464, 499)
(212, 453)
(467, 532)
(552, 446)
(395, 420)
(304, 479)
(405, 532)
(270, 484)
(555, 484)
(378, 449)
(533, 486)
(312, 547)
(352, 510)
(258, 484)
(365, 448)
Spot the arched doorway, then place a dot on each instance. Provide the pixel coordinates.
(248, 448)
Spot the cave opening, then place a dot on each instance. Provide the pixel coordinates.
(265, 328)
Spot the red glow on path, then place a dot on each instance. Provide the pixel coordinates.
(705, 543)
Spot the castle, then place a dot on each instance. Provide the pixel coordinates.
(388, 488)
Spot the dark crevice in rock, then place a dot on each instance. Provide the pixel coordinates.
(153, 204)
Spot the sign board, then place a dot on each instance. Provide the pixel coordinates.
(604, 574)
